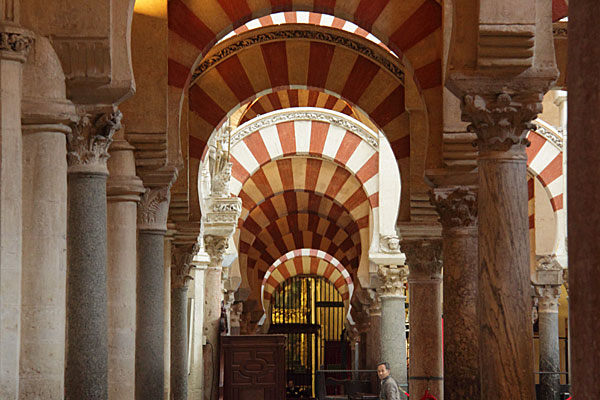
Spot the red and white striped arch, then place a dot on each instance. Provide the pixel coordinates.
(306, 262)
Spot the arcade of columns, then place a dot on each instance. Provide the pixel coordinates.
(106, 315)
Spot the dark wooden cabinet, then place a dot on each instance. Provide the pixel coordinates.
(254, 367)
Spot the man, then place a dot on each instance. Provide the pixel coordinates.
(389, 388)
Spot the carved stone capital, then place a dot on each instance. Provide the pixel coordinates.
(457, 206)
(374, 306)
(181, 264)
(392, 279)
(153, 209)
(547, 296)
(424, 257)
(90, 139)
(216, 246)
(15, 43)
(501, 120)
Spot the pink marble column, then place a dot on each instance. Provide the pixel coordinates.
(426, 370)
(457, 207)
(583, 176)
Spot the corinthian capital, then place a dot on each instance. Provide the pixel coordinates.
(501, 120)
(15, 43)
(89, 140)
(424, 257)
(153, 209)
(181, 264)
(548, 296)
(392, 279)
(457, 206)
(216, 246)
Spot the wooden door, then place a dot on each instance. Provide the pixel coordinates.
(254, 367)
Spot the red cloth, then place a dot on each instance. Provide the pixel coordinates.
(428, 396)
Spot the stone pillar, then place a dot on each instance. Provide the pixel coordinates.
(87, 319)
(374, 334)
(212, 316)
(180, 276)
(149, 335)
(393, 325)
(42, 360)
(169, 237)
(501, 122)
(424, 287)
(457, 207)
(547, 283)
(14, 47)
(123, 192)
(196, 378)
(583, 193)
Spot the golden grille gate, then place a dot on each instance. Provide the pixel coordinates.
(310, 311)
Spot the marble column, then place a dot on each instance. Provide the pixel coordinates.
(123, 192)
(549, 348)
(457, 207)
(87, 318)
(212, 317)
(374, 334)
(180, 277)
(149, 334)
(393, 325)
(14, 48)
(196, 378)
(583, 193)
(424, 287)
(168, 246)
(501, 122)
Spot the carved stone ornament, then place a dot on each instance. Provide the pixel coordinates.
(501, 121)
(89, 140)
(423, 256)
(153, 209)
(534, 309)
(15, 45)
(222, 216)
(216, 246)
(548, 271)
(374, 308)
(548, 296)
(392, 279)
(457, 207)
(389, 244)
(181, 264)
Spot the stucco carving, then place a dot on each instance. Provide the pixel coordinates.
(153, 209)
(91, 137)
(392, 279)
(424, 257)
(501, 121)
(457, 206)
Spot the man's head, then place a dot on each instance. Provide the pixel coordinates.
(383, 370)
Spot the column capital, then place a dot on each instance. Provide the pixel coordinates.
(392, 278)
(216, 246)
(374, 306)
(456, 205)
(15, 43)
(501, 120)
(89, 140)
(153, 209)
(424, 257)
(181, 265)
(547, 296)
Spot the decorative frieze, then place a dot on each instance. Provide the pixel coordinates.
(89, 140)
(424, 257)
(501, 121)
(392, 278)
(457, 206)
(153, 209)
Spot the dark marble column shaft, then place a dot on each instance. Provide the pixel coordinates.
(583, 175)
(179, 340)
(393, 336)
(87, 320)
(149, 338)
(549, 347)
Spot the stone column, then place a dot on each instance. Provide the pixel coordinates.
(393, 325)
(149, 335)
(42, 361)
(583, 193)
(457, 207)
(374, 333)
(196, 378)
(424, 287)
(547, 283)
(501, 122)
(169, 237)
(180, 276)
(123, 192)
(14, 47)
(87, 319)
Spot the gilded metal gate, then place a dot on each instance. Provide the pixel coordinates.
(310, 311)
